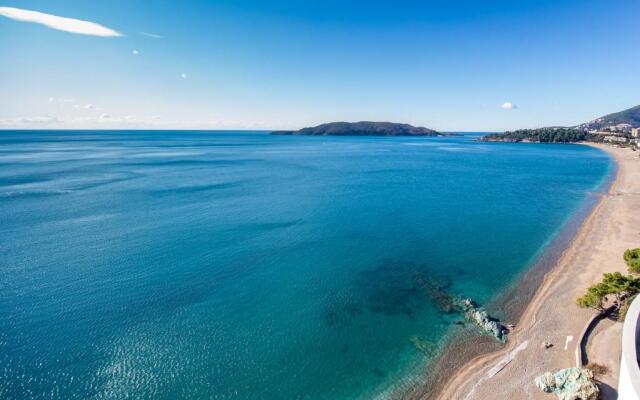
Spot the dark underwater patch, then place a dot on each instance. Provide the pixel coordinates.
(392, 288)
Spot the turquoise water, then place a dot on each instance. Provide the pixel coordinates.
(238, 265)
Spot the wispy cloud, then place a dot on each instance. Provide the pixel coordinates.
(29, 121)
(113, 121)
(509, 106)
(88, 106)
(60, 100)
(151, 35)
(60, 23)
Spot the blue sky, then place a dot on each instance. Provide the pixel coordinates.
(254, 64)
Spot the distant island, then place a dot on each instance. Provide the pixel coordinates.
(364, 128)
(622, 128)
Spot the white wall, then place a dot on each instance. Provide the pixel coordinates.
(629, 385)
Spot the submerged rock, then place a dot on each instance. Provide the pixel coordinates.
(434, 287)
(569, 384)
(423, 345)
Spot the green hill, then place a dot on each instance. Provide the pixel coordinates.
(630, 116)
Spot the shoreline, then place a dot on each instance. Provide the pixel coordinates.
(462, 346)
(511, 368)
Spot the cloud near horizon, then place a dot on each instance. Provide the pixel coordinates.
(113, 121)
(509, 106)
(70, 25)
(30, 121)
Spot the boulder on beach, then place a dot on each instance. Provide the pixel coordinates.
(569, 384)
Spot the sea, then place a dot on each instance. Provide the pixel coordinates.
(243, 265)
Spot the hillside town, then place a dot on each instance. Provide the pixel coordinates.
(621, 127)
(620, 133)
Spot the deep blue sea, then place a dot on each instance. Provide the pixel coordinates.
(239, 265)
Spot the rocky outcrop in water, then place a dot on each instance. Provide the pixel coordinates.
(488, 324)
(481, 318)
(388, 291)
(569, 384)
(435, 289)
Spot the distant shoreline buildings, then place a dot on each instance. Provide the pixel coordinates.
(621, 128)
(620, 133)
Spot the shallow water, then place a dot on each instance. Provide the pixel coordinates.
(238, 265)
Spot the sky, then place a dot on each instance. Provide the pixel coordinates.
(465, 65)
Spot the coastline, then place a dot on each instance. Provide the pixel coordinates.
(494, 372)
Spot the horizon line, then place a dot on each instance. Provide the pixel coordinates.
(187, 130)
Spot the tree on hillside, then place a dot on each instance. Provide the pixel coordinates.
(613, 285)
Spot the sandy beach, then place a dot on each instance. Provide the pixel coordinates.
(552, 316)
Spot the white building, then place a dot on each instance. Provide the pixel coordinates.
(615, 139)
(629, 384)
